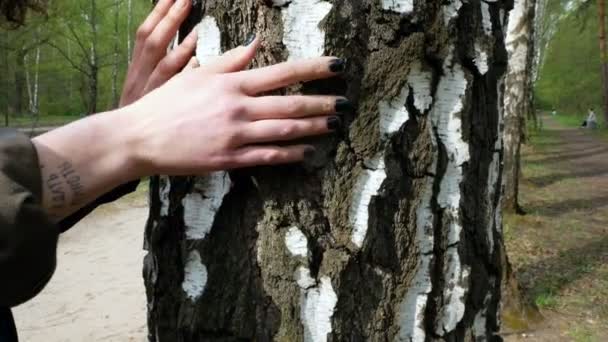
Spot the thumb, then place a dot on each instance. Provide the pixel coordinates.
(233, 60)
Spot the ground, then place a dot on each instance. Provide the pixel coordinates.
(97, 292)
(559, 250)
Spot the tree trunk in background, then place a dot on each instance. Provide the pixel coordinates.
(518, 86)
(393, 231)
(603, 53)
(115, 95)
(129, 33)
(93, 62)
(19, 81)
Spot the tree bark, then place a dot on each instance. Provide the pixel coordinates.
(93, 62)
(518, 88)
(392, 231)
(603, 53)
(129, 33)
(19, 81)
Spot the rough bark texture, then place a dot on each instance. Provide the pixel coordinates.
(517, 96)
(392, 232)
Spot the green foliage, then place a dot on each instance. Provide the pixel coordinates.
(64, 40)
(546, 300)
(570, 76)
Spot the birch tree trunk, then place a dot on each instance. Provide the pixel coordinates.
(115, 66)
(518, 88)
(93, 62)
(129, 33)
(392, 232)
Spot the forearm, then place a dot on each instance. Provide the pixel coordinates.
(84, 160)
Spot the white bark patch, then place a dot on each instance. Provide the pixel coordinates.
(195, 276)
(420, 82)
(209, 44)
(481, 59)
(200, 209)
(302, 35)
(412, 307)
(317, 308)
(492, 188)
(303, 278)
(400, 6)
(450, 10)
(163, 194)
(446, 120)
(454, 292)
(367, 186)
(486, 18)
(393, 113)
(479, 323)
(296, 242)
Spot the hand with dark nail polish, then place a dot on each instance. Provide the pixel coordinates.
(334, 123)
(344, 106)
(250, 38)
(337, 65)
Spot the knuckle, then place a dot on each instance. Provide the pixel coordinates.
(272, 157)
(165, 67)
(288, 130)
(293, 106)
(291, 72)
(152, 44)
(237, 109)
(234, 138)
(143, 32)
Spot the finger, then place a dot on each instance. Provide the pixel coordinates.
(270, 155)
(156, 44)
(281, 75)
(148, 26)
(233, 60)
(288, 129)
(173, 63)
(297, 106)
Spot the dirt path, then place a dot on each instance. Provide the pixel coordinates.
(97, 292)
(560, 249)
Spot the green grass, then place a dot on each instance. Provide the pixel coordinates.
(42, 121)
(546, 300)
(582, 334)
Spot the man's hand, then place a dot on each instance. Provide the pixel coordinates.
(152, 65)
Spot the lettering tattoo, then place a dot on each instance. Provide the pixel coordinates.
(65, 186)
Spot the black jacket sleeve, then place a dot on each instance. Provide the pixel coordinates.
(28, 238)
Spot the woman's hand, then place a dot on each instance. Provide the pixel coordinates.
(213, 119)
(151, 64)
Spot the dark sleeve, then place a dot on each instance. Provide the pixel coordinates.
(28, 238)
(111, 196)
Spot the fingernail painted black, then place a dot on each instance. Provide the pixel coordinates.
(337, 65)
(334, 123)
(250, 38)
(344, 106)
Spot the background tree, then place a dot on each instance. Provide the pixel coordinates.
(393, 230)
(66, 69)
(518, 94)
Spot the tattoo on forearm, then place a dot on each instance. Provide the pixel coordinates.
(65, 186)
